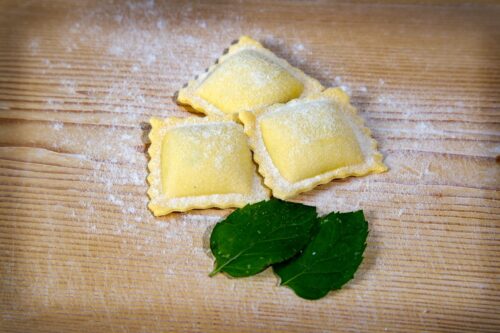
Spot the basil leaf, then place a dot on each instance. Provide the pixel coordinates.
(258, 235)
(330, 259)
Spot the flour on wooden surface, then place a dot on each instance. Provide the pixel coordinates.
(146, 55)
(141, 52)
(339, 81)
(58, 125)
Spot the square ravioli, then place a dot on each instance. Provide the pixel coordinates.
(200, 163)
(247, 77)
(310, 141)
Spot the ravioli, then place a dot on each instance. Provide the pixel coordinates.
(310, 141)
(200, 163)
(247, 77)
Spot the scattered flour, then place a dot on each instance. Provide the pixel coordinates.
(142, 48)
(137, 40)
(144, 41)
(69, 86)
(58, 125)
(298, 47)
(34, 45)
(343, 85)
(201, 23)
(114, 200)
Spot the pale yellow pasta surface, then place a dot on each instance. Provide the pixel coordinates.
(200, 163)
(247, 77)
(310, 141)
(206, 159)
(307, 140)
(248, 80)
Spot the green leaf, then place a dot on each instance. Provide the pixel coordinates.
(258, 235)
(330, 259)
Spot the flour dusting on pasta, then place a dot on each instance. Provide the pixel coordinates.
(142, 61)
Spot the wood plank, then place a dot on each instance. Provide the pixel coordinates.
(80, 252)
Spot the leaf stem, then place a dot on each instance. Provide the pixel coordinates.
(215, 271)
(218, 269)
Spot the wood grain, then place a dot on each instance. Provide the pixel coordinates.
(80, 252)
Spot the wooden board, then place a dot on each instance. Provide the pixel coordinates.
(80, 252)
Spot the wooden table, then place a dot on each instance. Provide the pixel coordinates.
(80, 252)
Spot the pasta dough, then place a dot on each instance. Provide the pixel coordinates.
(200, 163)
(310, 141)
(247, 77)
